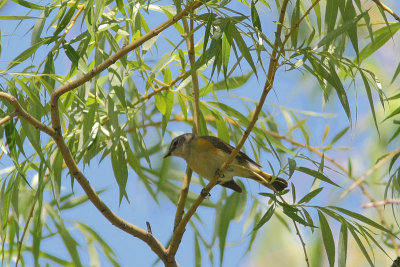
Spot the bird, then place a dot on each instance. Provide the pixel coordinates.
(205, 155)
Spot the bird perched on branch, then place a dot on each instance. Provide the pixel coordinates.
(206, 154)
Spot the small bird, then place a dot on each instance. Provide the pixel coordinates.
(206, 154)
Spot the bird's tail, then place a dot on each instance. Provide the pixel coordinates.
(273, 182)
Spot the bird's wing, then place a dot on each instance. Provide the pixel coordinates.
(218, 143)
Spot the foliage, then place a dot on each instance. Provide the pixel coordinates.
(101, 82)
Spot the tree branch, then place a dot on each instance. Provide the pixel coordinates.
(7, 118)
(20, 111)
(109, 61)
(287, 36)
(381, 203)
(196, 123)
(267, 87)
(369, 172)
(125, 226)
(387, 9)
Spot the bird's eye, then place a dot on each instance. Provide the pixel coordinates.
(174, 144)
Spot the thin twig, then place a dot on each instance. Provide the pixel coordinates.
(149, 228)
(303, 244)
(20, 111)
(268, 85)
(7, 118)
(173, 248)
(287, 36)
(160, 89)
(111, 60)
(387, 9)
(381, 203)
(369, 172)
(23, 233)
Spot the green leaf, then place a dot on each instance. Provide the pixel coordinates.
(230, 111)
(339, 30)
(292, 213)
(331, 14)
(120, 5)
(161, 103)
(342, 246)
(349, 14)
(362, 218)
(232, 82)
(38, 27)
(394, 112)
(310, 195)
(292, 166)
(361, 246)
(27, 53)
(29, 5)
(243, 47)
(16, 17)
(169, 103)
(66, 19)
(222, 128)
(339, 135)
(396, 73)
(69, 242)
(265, 218)
(370, 100)
(381, 36)
(197, 251)
(316, 175)
(228, 213)
(327, 238)
(226, 52)
(120, 169)
(338, 85)
(76, 201)
(254, 17)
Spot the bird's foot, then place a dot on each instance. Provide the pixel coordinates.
(219, 173)
(204, 193)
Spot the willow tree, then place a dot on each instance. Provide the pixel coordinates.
(101, 82)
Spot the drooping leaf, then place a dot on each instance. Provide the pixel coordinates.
(316, 175)
(310, 195)
(327, 237)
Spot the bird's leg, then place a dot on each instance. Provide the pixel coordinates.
(219, 173)
(204, 193)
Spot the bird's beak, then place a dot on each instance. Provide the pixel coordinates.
(167, 155)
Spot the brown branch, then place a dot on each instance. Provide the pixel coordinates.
(154, 244)
(7, 118)
(21, 112)
(23, 233)
(125, 226)
(303, 244)
(287, 36)
(196, 123)
(67, 29)
(136, 231)
(149, 228)
(267, 87)
(369, 172)
(387, 9)
(109, 61)
(160, 89)
(381, 203)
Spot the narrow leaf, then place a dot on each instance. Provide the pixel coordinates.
(316, 175)
(327, 238)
